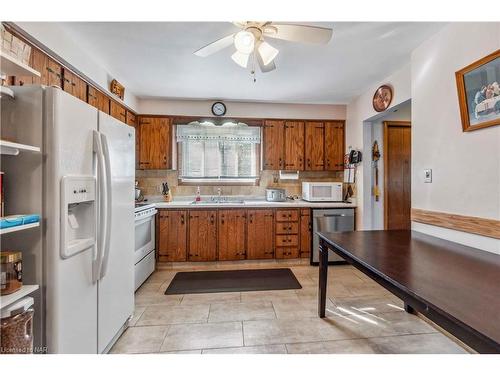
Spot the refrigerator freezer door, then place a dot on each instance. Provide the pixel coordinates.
(116, 285)
(71, 294)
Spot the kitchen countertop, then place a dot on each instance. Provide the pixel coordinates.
(186, 202)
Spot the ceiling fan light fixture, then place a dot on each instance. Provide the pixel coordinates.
(241, 58)
(244, 41)
(267, 52)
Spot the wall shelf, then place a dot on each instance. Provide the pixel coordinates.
(18, 228)
(9, 299)
(12, 148)
(6, 93)
(12, 67)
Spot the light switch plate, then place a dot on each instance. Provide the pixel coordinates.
(428, 176)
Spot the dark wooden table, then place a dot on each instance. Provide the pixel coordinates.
(455, 286)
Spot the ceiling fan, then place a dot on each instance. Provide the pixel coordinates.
(250, 41)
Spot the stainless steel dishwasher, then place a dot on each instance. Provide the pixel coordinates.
(330, 220)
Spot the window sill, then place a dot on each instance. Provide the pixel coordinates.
(218, 182)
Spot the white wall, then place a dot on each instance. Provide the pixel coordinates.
(56, 38)
(361, 110)
(242, 109)
(465, 165)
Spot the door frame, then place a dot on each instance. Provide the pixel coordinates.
(387, 125)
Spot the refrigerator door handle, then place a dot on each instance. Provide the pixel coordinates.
(108, 197)
(101, 230)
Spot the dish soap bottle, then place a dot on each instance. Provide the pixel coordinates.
(198, 195)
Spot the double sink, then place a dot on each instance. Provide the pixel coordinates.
(218, 200)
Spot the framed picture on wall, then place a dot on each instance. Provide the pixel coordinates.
(479, 93)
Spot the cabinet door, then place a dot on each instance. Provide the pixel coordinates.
(92, 96)
(54, 76)
(294, 145)
(231, 234)
(202, 235)
(131, 119)
(260, 234)
(79, 88)
(38, 61)
(118, 111)
(147, 130)
(273, 140)
(315, 146)
(102, 102)
(334, 146)
(305, 233)
(173, 236)
(163, 145)
(68, 82)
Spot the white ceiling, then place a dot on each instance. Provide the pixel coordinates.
(156, 60)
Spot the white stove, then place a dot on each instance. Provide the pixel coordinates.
(144, 250)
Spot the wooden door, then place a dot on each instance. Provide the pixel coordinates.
(315, 146)
(80, 88)
(147, 130)
(397, 174)
(273, 140)
(334, 146)
(131, 119)
(202, 235)
(294, 145)
(38, 61)
(54, 76)
(231, 234)
(118, 111)
(260, 234)
(163, 147)
(305, 233)
(172, 245)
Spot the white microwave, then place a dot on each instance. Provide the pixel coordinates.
(322, 191)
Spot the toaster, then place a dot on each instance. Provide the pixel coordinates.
(275, 195)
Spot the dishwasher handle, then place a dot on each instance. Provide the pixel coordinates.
(334, 215)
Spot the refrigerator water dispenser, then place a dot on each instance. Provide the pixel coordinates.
(78, 214)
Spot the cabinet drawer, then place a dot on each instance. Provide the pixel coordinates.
(287, 228)
(287, 252)
(287, 215)
(291, 240)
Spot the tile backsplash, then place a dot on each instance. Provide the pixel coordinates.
(150, 183)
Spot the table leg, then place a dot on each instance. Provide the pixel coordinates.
(323, 275)
(409, 309)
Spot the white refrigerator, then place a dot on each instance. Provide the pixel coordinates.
(88, 200)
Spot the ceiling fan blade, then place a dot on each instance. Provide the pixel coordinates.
(265, 68)
(299, 33)
(215, 46)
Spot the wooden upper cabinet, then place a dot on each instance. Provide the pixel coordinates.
(260, 234)
(131, 119)
(173, 236)
(334, 146)
(92, 96)
(118, 111)
(273, 145)
(314, 146)
(54, 75)
(294, 145)
(97, 99)
(155, 143)
(305, 233)
(202, 235)
(231, 234)
(74, 85)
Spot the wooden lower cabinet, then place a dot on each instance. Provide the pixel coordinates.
(173, 236)
(305, 233)
(260, 234)
(202, 238)
(231, 234)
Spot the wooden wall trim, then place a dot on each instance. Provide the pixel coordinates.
(469, 224)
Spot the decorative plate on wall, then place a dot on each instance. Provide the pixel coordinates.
(382, 98)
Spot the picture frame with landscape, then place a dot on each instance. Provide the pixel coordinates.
(478, 86)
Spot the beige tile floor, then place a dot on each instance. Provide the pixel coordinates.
(362, 317)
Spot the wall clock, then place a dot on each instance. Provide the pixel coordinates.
(382, 98)
(219, 109)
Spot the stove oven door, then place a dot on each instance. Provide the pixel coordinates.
(144, 236)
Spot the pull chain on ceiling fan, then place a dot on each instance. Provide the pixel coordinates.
(250, 40)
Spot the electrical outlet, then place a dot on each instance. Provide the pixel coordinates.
(428, 176)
